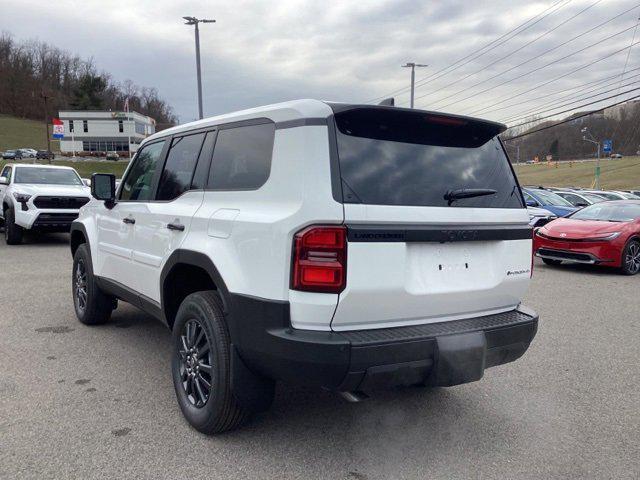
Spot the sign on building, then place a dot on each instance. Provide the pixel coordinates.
(58, 128)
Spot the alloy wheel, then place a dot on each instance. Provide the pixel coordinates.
(196, 372)
(81, 286)
(632, 259)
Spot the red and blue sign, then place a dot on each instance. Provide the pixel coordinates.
(58, 128)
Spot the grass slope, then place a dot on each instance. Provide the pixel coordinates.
(84, 168)
(21, 133)
(621, 174)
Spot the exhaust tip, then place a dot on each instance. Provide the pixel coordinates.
(354, 397)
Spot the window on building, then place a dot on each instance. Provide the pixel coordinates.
(179, 167)
(242, 157)
(140, 128)
(85, 126)
(137, 183)
(120, 126)
(71, 125)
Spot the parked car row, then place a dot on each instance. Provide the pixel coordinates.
(20, 153)
(596, 227)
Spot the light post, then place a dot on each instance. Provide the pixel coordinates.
(586, 132)
(195, 21)
(413, 66)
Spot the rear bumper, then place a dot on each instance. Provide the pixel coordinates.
(446, 353)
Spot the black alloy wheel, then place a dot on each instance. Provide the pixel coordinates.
(80, 286)
(196, 362)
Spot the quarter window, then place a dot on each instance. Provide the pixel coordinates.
(180, 165)
(138, 182)
(242, 157)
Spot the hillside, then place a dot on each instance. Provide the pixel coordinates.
(21, 133)
(619, 174)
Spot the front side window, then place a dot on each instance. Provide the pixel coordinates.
(394, 157)
(47, 176)
(242, 157)
(138, 183)
(179, 167)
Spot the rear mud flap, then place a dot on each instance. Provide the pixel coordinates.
(459, 359)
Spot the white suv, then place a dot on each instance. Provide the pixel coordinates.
(40, 198)
(348, 247)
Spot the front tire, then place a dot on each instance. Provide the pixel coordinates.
(550, 261)
(631, 258)
(201, 366)
(12, 232)
(91, 304)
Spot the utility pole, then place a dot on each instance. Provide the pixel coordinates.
(46, 123)
(413, 66)
(195, 21)
(586, 132)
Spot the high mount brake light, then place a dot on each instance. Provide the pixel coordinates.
(320, 259)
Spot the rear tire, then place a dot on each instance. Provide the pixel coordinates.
(550, 261)
(631, 258)
(12, 232)
(201, 365)
(91, 304)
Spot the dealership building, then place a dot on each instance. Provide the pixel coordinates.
(96, 131)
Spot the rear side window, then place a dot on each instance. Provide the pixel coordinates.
(242, 157)
(179, 167)
(395, 157)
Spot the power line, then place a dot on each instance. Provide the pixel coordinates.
(535, 69)
(511, 97)
(547, 127)
(579, 87)
(424, 79)
(576, 101)
(536, 110)
(433, 92)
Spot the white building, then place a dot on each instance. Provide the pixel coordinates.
(95, 131)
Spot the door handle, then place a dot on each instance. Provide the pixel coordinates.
(176, 227)
(129, 220)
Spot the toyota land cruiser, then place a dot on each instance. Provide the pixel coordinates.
(347, 247)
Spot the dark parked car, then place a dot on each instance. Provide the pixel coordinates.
(12, 155)
(46, 154)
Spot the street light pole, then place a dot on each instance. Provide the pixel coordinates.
(413, 66)
(195, 21)
(593, 140)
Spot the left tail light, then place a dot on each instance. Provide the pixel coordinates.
(319, 261)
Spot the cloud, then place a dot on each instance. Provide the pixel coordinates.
(262, 52)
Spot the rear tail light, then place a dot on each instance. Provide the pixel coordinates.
(320, 259)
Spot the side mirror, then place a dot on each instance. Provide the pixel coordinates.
(532, 203)
(4, 181)
(103, 187)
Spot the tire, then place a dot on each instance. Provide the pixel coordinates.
(631, 258)
(91, 304)
(200, 321)
(12, 232)
(550, 261)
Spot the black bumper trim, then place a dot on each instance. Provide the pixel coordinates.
(345, 361)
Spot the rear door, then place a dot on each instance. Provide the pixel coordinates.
(437, 228)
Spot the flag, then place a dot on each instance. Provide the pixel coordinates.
(58, 128)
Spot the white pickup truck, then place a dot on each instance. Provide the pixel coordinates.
(40, 198)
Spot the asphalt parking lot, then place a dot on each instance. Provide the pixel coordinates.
(98, 402)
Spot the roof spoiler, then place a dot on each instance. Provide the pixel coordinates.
(388, 102)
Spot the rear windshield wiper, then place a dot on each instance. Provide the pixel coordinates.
(453, 195)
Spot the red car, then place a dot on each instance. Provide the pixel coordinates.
(606, 233)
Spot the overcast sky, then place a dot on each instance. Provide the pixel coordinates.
(262, 52)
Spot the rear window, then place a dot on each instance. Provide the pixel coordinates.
(396, 157)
